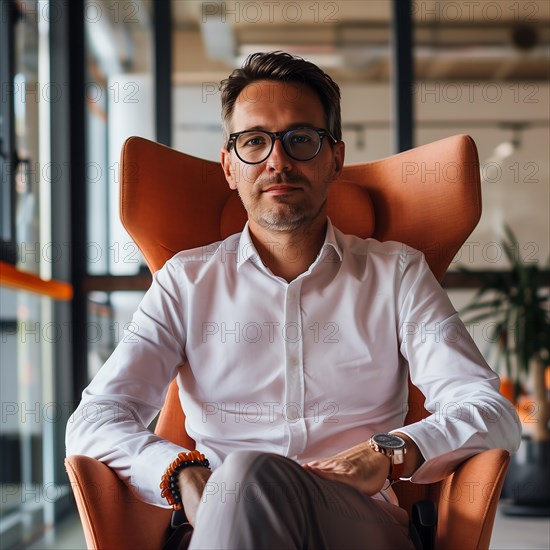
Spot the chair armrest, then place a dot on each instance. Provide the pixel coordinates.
(468, 501)
(111, 515)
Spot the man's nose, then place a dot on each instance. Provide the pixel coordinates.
(278, 160)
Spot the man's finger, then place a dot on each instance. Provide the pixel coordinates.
(325, 474)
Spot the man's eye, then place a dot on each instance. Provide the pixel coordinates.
(253, 141)
(300, 138)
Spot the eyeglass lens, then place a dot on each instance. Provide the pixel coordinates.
(300, 144)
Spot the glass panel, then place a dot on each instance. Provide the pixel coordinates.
(483, 70)
(28, 409)
(108, 316)
(120, 103)
(30, 94)
(30, 427)
(26, 320)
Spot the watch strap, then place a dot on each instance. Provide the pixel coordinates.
(397, 465)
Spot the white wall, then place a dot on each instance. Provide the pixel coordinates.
(131, 113)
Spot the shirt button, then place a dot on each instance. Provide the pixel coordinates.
(292, 414)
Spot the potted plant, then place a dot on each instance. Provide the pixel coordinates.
(517, 304)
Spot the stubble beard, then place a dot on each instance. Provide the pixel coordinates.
(286, 216)
(291, 218)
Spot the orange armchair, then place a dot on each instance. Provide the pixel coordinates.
(428, 197)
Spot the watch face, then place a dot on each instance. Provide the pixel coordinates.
(388, 441)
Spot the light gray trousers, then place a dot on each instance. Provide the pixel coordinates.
(263, 501)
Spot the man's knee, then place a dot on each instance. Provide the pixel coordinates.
(249, 465)
(239, 463)
(250, 475)
(243, 480)
(255, 498)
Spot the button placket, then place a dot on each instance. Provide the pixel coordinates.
(293, 408)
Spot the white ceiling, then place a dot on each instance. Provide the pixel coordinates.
(453, 39)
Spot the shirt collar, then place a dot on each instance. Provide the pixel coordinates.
(248, 252)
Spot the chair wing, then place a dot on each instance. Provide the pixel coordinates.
(170, 201)
(428, 197)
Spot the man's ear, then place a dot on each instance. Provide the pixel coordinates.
(339, 155)
(226, 167)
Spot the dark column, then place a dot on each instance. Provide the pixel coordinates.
(8, 248)
(68, 220)
(74, 146)
(163, 70)
(402, 76)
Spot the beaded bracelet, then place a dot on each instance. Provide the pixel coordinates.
(169, 482)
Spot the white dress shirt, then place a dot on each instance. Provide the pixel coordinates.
(304, 369)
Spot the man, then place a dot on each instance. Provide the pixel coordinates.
(294, 413)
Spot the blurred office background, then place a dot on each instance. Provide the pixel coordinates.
(80, 77)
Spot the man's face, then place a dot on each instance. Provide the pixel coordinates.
(280, 193)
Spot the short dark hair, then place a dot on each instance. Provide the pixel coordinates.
(282, 67)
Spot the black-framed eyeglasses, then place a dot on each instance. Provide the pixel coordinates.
(255, 146)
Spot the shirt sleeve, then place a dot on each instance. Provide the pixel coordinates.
(110, 424)
(468, 414)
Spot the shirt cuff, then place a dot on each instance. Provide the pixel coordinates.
(148, 469)
(440, 460)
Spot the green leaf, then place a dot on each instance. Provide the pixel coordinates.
(519, 304)
(496, 303)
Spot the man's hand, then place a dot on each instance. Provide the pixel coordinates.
(191, 483)
(360, 466)
(364, 468)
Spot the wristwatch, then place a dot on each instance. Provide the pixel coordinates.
(393, 447)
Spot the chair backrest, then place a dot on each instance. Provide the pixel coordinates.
(428, 197)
